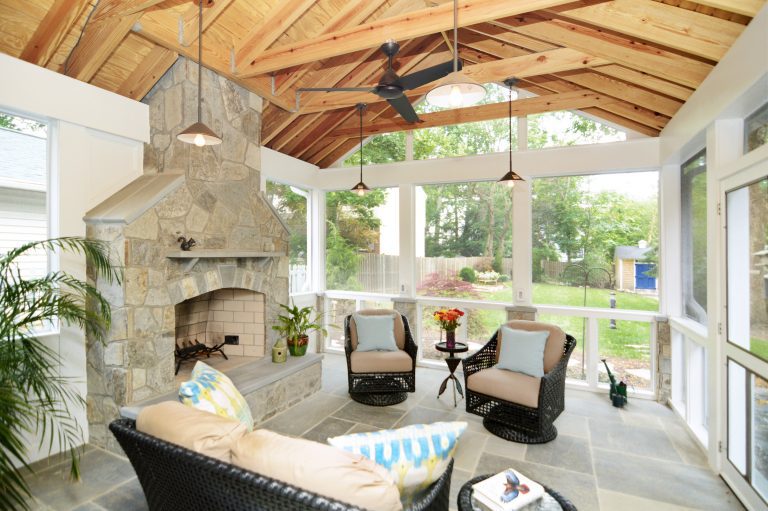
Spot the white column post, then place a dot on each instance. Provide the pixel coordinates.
(522, 251)
(407, 241)
(317, 240)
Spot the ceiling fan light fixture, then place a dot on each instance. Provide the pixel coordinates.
(199, 134)
(456, 91)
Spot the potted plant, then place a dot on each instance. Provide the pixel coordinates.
(449, 321)
(295, 326)
(34, 397)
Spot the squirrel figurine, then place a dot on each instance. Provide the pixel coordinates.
(186, 244)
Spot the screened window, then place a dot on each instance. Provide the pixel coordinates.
(362, 251)
(385, 148)
(565, 128)
(694, 237)
(464, 241)
(756, 129)
(292, 204)
(23, 189)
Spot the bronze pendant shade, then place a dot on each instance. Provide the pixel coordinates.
(361, 188)
(511, 176)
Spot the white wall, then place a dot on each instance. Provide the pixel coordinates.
(96, 148)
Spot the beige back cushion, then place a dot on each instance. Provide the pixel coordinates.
(399, 326)
(200, 431)
(319, 468)
(553, 351)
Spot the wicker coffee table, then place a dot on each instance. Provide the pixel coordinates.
(551, 501)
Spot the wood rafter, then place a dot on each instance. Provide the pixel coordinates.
(99, 40)
(744, 7)
(627, 52)
(272, 26)
(51, 32)
(351, 15)
(157, 29)
(406, 26)
(684, 30)
(520, 107)
(151, 69)
(118, 8)
(190, 29)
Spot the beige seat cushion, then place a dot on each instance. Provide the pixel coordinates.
(399, 326)
(380, 362)
(553, 351)
(319, 468)
(200, 431)
(507, 385)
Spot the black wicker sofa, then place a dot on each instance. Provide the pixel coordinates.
(176, 478)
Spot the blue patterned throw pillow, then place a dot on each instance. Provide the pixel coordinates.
(416, 456)
(212, 391)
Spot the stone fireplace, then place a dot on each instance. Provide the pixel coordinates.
(230, 283)
(233, 317)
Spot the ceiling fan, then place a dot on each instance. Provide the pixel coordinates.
(391, 86)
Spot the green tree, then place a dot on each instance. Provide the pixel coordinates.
(291, 205)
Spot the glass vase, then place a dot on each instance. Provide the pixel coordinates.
(450, 339)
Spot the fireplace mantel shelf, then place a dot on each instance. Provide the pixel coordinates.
(192, 256)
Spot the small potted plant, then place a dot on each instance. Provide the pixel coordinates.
(449, 321)
(295, 325)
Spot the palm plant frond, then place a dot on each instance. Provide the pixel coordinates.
(34, 397)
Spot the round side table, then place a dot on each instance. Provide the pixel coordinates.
(453, 362)
(551, 501)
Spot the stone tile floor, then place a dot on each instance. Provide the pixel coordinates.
(640, 458)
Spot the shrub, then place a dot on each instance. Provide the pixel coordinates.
(467, 274)
(485, 265)
(436, 284)
(504, 278)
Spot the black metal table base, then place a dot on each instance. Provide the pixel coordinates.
(453, 363)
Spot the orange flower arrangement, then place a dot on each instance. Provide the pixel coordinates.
(448, 318)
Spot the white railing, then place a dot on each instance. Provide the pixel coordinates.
(591, 348)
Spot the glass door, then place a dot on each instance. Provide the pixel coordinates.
(745, 463)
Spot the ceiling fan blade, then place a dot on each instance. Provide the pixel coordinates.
(404, 108)
(427, 75)
(335, 89)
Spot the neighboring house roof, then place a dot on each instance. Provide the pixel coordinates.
(630, 252)
(22, 160)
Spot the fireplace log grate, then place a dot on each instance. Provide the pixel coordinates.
(194, 351)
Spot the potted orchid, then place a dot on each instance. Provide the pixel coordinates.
(449, 321)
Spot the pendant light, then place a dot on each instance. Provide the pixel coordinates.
(360, 188)
(510, 177)
(456, 90)
(199, 134)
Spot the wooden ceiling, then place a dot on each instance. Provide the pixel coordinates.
(630, 62)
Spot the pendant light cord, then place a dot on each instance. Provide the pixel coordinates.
(200, 63)
(360, 107)
(510, 127)
(455, 35)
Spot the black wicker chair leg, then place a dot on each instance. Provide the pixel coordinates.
(381, 399)
(502, 430)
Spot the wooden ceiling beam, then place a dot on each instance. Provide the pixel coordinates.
(352, 14)
(274, 120)
(520, 107)
(645, 80)
(117, 8)
(744, 7)
(619, 50)
(405, 26)
(190, 30)
(624, 91)
(650, 119)
(554, 61)
(159, 29)
(505, 35)
(147, 74)
(99, 40)
(687, 31)
(58, 21)
(279, 19)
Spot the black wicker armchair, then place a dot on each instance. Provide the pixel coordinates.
(175, 478)
(516, 406)
(381, 378)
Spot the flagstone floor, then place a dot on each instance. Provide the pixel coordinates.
(639, 458)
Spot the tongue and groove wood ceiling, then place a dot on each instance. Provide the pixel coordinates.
(630, 62)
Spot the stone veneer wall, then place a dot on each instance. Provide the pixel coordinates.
(219, 204)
